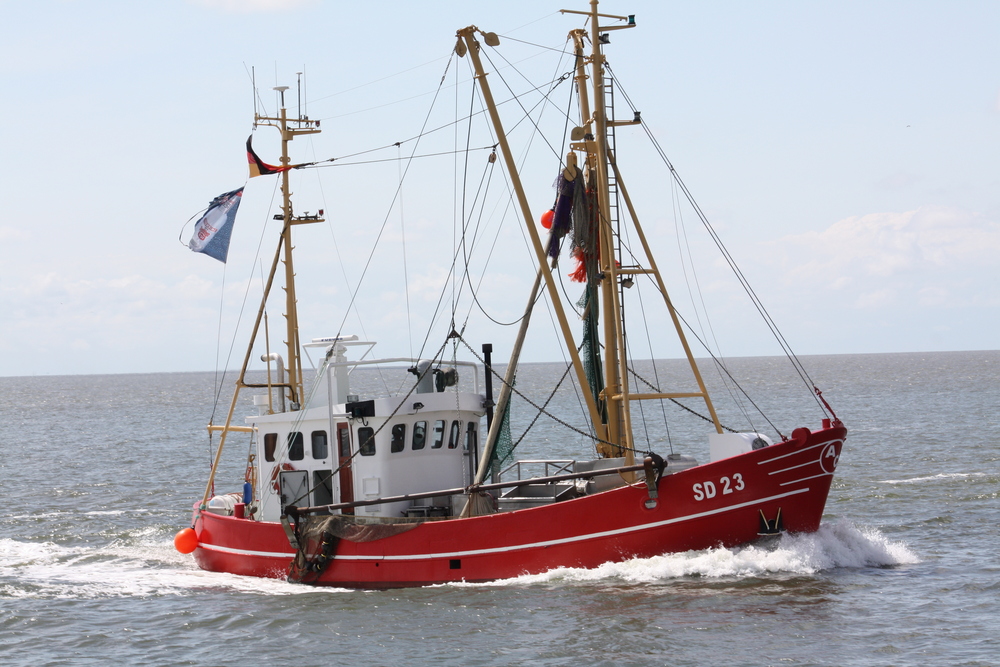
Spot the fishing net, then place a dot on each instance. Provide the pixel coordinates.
(587, 254)
(504, 448)
(590, 346)
(318, 537)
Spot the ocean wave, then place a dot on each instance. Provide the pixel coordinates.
(147, 565)
(836, 545)
(143, 565)
(934, 478)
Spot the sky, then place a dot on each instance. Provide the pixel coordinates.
(847, 153)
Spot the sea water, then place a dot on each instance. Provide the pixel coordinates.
(99, 472)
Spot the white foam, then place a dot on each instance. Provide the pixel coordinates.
(840, 544)
(144, 566)
(934, 478)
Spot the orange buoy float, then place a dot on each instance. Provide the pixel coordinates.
(547, 218)
(186, 540)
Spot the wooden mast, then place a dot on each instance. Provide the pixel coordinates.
(617, 393)
(595, 123)
(293, 364)
(293, 383)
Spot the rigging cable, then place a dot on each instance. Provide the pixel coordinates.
(627, 249)
(239, 318)
(681, 232)
(462, 207)
(517, 98)
(329, 162)
(219, 380)
(553, 84)
(385, 221)
(300, 417)
(343, 270)
(758, 304)
(561, 422)
(406, 275)
(656, 374)
(711, 354)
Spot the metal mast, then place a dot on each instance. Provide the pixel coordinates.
(595, 124)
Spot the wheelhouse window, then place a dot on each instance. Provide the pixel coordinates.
(472, 437)
(322, 487)
(295, 450)
(320, 449)
(270, 444)
(419, 435)
(455, 436)
(366, 436)
(438, 434)
(344, 438)
(398, 442)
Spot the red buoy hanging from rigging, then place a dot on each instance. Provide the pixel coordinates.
(547, 218)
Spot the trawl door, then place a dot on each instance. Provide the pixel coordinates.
(344, 461)
(294, 488)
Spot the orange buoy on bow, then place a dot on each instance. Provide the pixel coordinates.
(186, 541)
(547, 218)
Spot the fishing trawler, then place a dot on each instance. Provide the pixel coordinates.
(421, 486)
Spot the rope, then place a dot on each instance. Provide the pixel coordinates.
(544, 405)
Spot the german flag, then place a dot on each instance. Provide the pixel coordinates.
(257, 166)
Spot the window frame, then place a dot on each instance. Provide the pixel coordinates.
(296, 446)
(472, 436)
(270, 445)
(325, 444)
(366, 441)
(397, 443)
(421, 427)
(455, 434)
(439, 430)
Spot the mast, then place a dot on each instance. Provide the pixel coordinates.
(289, 130)
(292, 384)
(602, 160)
(595, 123)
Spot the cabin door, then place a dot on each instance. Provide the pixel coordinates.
(344, 461)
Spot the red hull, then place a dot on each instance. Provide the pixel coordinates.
(717, 504)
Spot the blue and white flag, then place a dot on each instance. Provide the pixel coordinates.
(212, 231)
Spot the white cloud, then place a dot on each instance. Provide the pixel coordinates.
(8, 234)
(931, 256)
(54, 315)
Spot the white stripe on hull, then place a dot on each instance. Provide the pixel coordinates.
(532, 545)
